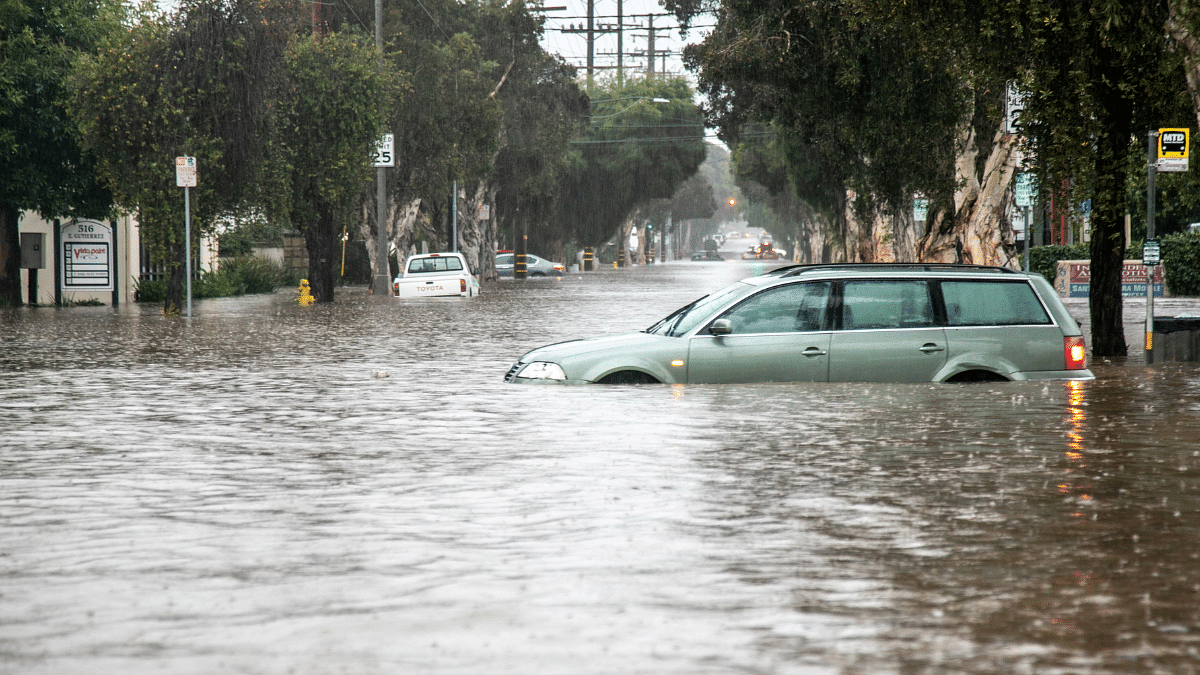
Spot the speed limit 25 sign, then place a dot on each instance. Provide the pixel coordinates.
(385, 151)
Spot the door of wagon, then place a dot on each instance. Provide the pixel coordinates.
(886, 333)
(778, 335)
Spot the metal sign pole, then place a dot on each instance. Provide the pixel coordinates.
(187, 243)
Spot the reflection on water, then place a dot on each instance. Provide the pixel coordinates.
(238, 493)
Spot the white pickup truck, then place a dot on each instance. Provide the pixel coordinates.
(436, 275)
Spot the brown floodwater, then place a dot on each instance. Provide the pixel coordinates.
(350, 488)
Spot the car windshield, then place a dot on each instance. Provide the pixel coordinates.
(687, 317)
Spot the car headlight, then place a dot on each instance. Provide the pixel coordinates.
(542, 370)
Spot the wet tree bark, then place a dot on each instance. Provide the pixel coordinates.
(10, 258)
(176, 278)
(320, 237)
(1108, 228)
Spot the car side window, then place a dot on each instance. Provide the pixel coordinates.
(504, 259)
(992, 303)
(784, 309)
(891, 303)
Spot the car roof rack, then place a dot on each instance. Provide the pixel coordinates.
(794, 270)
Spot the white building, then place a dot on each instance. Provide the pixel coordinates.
(106, 265)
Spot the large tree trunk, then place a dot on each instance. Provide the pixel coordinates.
(1108, 225)
(404, 224)
(321, 239)
(979, 231)
(476, 239)
(176, 277)
(10, 257)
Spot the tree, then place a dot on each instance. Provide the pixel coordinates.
(331, 121)
(891, 98)
(198, 81)
(40, 158)
(637, 150)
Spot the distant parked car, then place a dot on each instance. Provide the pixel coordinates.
(839, 323)
(534, 266)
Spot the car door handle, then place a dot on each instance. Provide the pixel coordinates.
(813, 351)
(930, 347)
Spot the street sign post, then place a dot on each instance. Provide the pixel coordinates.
(185, 177)
(385, 156)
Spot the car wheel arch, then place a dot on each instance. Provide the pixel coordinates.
(977, 369)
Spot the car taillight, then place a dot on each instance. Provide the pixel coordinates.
(396, 288)
(1075, 353)
(462, 285)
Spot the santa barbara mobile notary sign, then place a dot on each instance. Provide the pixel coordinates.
(1074, 279)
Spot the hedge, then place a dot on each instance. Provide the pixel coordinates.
(1180, 254)
(237, 276)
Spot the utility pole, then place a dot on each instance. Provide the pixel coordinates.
(383, 275)
(620, 43)
(650, 46)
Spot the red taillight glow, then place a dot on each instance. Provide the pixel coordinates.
(396, 289)
(1075, 353)
(462, 285)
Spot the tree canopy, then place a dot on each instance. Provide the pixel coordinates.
(638, 149)
(43, 166)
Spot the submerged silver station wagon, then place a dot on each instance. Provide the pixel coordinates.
(839, 323)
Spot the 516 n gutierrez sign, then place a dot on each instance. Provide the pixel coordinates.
(87, 256)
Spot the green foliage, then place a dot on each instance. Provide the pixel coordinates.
(1180, 255)
(197, 81)
(1181, 260)
(1044, 259)
(41, 164)
(151, 290)
(237, 276)
(637, 151)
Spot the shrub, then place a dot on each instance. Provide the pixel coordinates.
(1180, 254)
(1181, 257)
(1044, 259)
(151, 291)
(237, 276)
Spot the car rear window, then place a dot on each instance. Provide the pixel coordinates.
(992, 303)
(422, 265)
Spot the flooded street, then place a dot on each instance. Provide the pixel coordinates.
(273, 489)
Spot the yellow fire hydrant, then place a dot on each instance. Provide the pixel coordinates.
(306, 297)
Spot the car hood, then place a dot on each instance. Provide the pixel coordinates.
(571, 348)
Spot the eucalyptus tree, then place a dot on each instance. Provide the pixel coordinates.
(444, 115)
(861, 118)
(1099, 75)
(924, 81)
(42, 165)
(544, 110)
(196, 81)
(646, 139)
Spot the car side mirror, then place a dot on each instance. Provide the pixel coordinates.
(720, 327)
